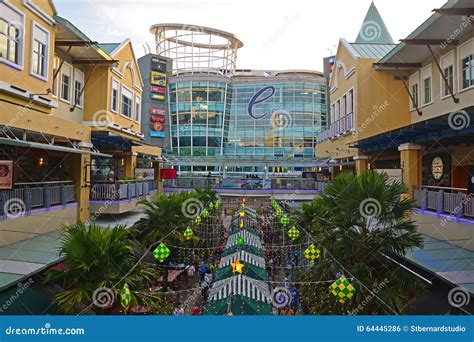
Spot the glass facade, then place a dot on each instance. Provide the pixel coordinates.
(287, 122)
(197, 112)
(212, 118)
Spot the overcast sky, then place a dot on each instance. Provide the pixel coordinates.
(277, 34)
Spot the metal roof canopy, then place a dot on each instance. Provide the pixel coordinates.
(437, 27)
(442, 129)
(243, 161)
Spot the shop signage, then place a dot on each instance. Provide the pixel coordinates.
(156, 134)
(437, 168)
(145, 173)
(159, 90)
(260, 96)
(158, 64)
(157, 111)
(158, 79)
(158, 97)
(157, 126)
(168, 174)
(6, 174)
(157, 118)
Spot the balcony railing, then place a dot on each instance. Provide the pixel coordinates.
(245, 183)
(25, 197)
(122, 190)
(450, 201)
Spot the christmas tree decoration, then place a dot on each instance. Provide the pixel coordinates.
(205, 213)
(197, 219)
(285, 220)
(188, 233)
(242, 213)
(240, 240)
(293, 233)
(312, 253)
(279, 212)
(342, 289)
(237, 266)
(125, 297)
(161, 253)
(241, 225)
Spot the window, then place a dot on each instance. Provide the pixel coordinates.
(55, 81)
(114, 96)
(414, 94)
(343, 114)
(39, 51)
(338, 117)
(66, 83)
(138, 110)
(449, 75)
(350, 109)
(11, 35)
(427, 90)
(78, 85)
(127, 102)
(468, 71)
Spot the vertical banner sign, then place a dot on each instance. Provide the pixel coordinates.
(158, 79)
(6, 174)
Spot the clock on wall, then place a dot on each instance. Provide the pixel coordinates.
(437, 168)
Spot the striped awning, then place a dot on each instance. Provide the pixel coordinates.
(249, 238)
(240, 285)
(244, 257)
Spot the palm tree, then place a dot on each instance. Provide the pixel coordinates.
(362, 222)
(96, 258)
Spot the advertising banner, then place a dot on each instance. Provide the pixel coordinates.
(158, 64)
(158, 90)
(168, 174)
(159, 111)
(6, 174)
(144, 173)
(158, 79)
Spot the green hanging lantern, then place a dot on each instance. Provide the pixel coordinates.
(279, 212)
(293, 233)
(285, 220)
(205, 213)
(125, 297)
(161, 253)
(218, 204)
(240, 240)
(312, 253)
(211, 205)
(188, 233)
(342, 289)
(197, 219)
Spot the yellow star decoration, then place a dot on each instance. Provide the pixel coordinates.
(242, 213)
(237, 266)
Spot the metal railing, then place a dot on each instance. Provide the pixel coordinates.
(451, 201)
(245, 183)
(121, 190)
(24, 197)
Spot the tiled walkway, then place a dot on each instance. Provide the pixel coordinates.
(450, 262)
(22, 259)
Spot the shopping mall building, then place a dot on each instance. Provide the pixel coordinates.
(216, 118)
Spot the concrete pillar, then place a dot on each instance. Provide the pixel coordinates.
(129, 164)
(79, 172)
(159, 182)
(361, 164)
(410, 160)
